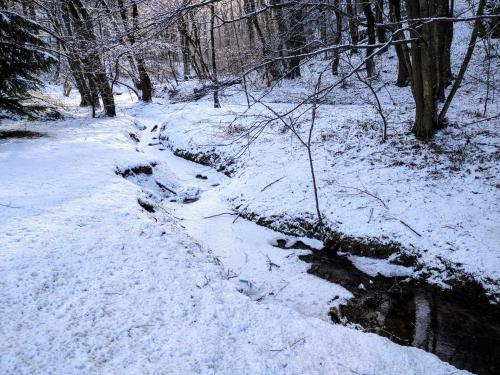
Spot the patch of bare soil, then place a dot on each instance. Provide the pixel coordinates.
(20, 134)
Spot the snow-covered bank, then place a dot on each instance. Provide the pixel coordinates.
(92, 283)
(438, 201)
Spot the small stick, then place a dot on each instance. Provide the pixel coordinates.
(410, 228)
(9, 206)
(371, 214)
(223, 213)
(272, 183)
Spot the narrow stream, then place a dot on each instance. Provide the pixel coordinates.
(459, 326)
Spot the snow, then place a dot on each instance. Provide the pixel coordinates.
(389, 192)
(373, 267)
(438, 200)
(92, 283)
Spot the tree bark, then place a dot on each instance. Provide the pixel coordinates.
(338, 38)
(424, 76)
(145, 84)
(295, 41)
(353, 22)
(182, 26)
(214, 60)
(465, 63)
(379, 17)
(402, 54)
(444, 34)
(370, 21)
(92, 62)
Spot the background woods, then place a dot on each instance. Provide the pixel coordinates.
(145, 44)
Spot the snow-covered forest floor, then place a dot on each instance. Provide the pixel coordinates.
(91, 282)
(120, 256)
(435, 204)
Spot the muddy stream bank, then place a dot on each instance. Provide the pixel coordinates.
(458, 325)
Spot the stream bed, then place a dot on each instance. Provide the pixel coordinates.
(458, 325)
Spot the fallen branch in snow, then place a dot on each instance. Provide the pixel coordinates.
(364, 191)
(9, 206)
(410, 228)
(271, 264)
(239, 214)
(166, 188)
(272, 183)
(371, 214)
(301, 340)
(221, 214)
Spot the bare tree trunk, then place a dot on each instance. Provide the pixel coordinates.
(353, 22)
(424, 78)
(85, 85)
(282, 28)
(444, 33)
(370, 27)
(465, 63)
(338, 37)
(92, 62)
(186, 64)
(403, 58)
(379, 18)
(295, 41)
(214, 60)
(145, 84)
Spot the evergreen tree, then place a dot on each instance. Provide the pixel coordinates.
(22, 59)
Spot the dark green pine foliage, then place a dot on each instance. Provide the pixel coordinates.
(22, 59)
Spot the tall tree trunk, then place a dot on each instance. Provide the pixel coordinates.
(338, 37)
(89, 96)
(145, 84)
(214, 60)
(282, 29)
(249, 7)
(271, 70)
(92, 62)
(353, 22)
(424, 75)
(444, 33)
(401, 51)
(183, 35)
(295, 40)
(379, 18)
(370, 28)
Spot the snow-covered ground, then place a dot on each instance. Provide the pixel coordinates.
(92, 283)
(438, 201)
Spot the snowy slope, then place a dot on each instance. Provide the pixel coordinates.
(438, 200)
(91, 283)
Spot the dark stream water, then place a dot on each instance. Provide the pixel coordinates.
(460, 326)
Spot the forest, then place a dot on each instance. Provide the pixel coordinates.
(249, 186)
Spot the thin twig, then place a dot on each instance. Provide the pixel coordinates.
(410, 228)
(223, 213)
(9, 206)
(272, 183)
